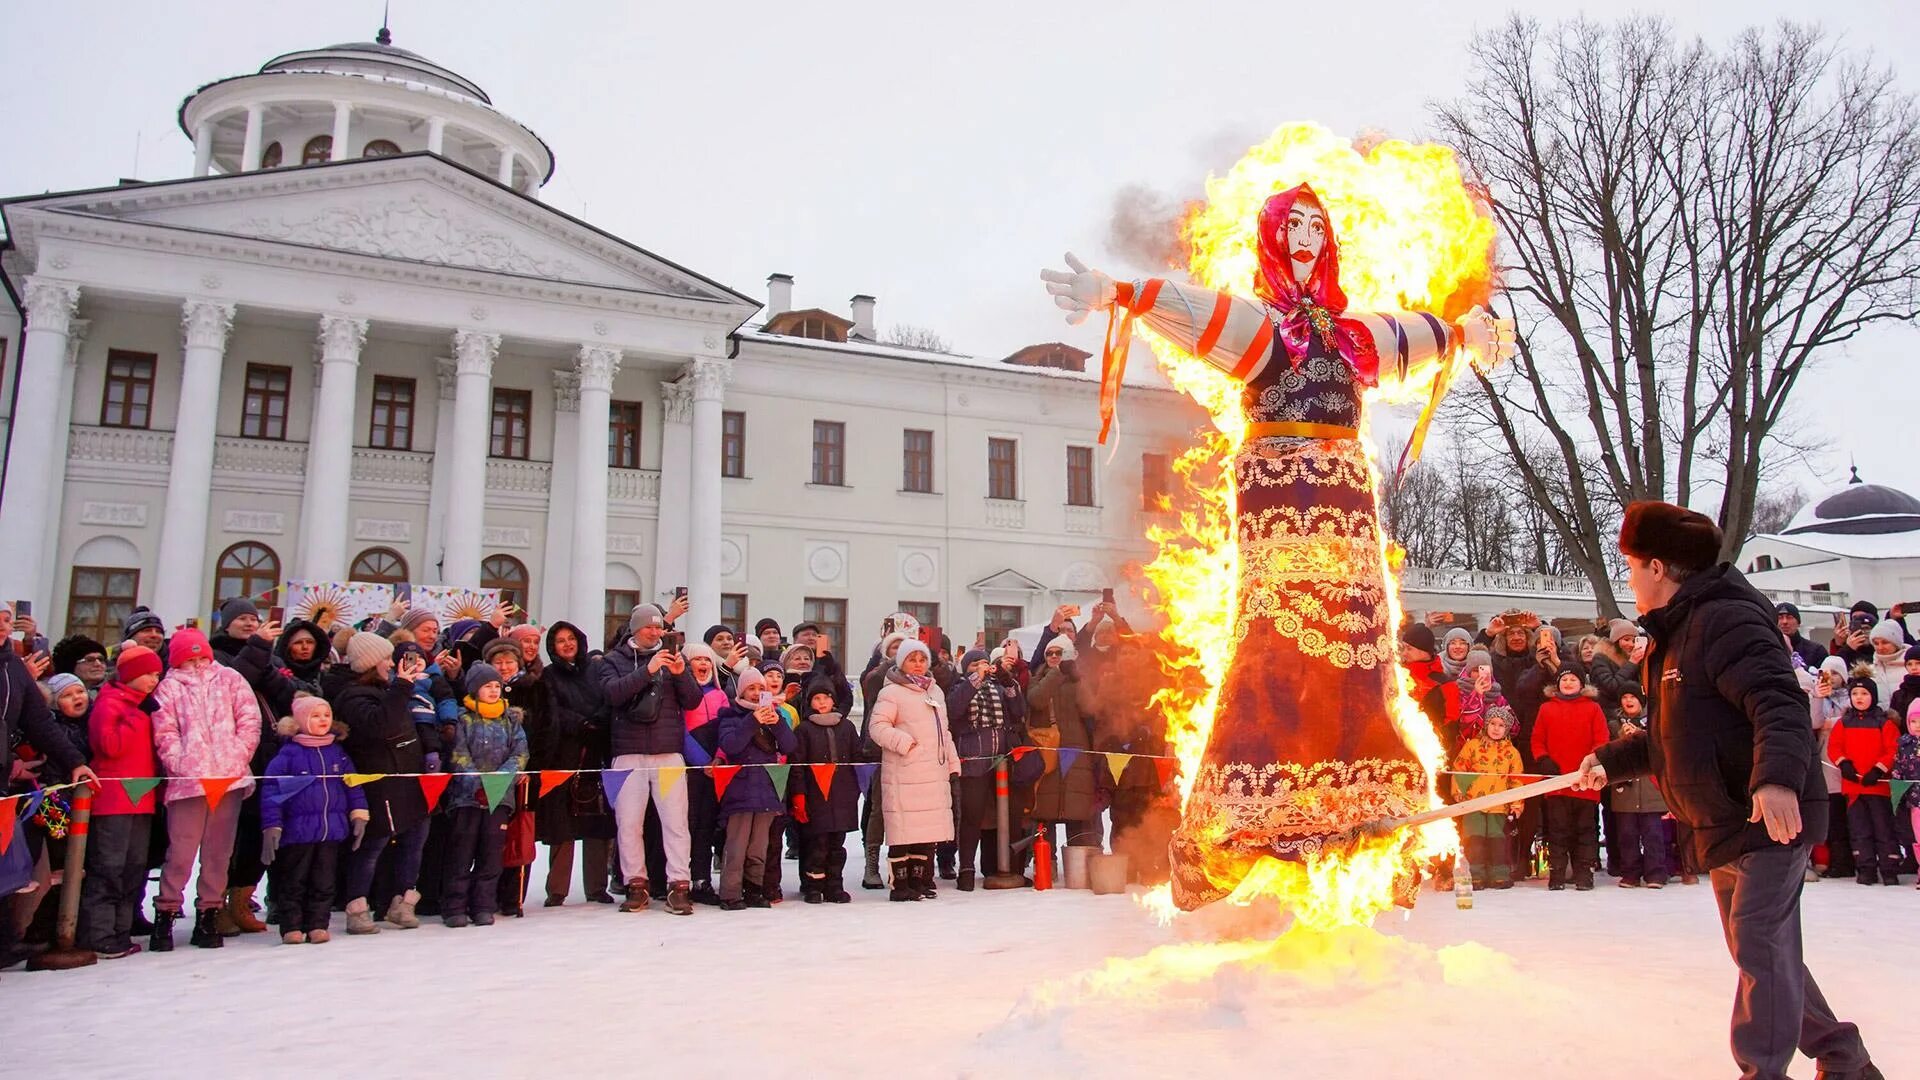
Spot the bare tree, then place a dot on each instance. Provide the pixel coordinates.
(916, 337)
(1418, 507)
(1684, 231)
(1773, 510)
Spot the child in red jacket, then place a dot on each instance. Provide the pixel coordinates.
(120, 732)
(1568, 727)
(1861, 746)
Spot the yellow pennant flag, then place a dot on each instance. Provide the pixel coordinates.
(355, 779)
(1117, 764)
(671, 775)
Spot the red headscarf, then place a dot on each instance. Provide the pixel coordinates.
(1316, 308)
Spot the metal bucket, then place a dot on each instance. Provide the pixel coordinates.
(1107, 874)
(1075, 856)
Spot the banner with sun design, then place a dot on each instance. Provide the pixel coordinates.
(333, 604)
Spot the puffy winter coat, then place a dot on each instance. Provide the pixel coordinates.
(917, 760)
(382, 738)
(486, 744)
(1639, 795)
(1056, 722)
(24, 715)
(703, 724)
(206, 723)
(827, 739)
(572, 736)
(1494, 765)
(1866, 741)
(1612, 674)
(754, 745)
(120, 732)
(1729, 716)
(306, 794)
(1565, 731)
(980, 732)
(647, 707)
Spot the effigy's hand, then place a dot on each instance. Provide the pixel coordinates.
(1079, 291)
(1489, 341)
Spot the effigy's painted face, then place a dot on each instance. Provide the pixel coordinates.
(1306, 238)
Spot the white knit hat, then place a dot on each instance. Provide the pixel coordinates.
(366, 651)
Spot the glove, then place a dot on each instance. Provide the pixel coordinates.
(359, 832)
(433, 761)
(1547, 765)
(1849, 772)
(269, 843)
(1080, 292)
(1874, 775)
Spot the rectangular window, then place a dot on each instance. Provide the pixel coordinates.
(264, 414)
(733, 444)
(623, 435)
(829, 614)
(1003, 469)
(830, 453)
(392, 414)
(1156, 481)
(928, 614)
(917, 461)
(1001, 620)
(619, 614)
(512, 416)
(128, 400)
(733, 612)
(99, 599)
(1079, 476)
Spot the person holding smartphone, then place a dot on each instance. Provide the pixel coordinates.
(649, 691)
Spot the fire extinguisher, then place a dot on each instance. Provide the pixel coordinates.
(1042, 861)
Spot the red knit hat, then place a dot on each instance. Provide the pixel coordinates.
(185, 645)
(135, 661)
(1675, 535)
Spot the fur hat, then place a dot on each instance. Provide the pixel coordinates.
(187, 644)
(480, 675)
(68, 653)
(135, 661)
(366, 651)
(1681, 538)
(1619, 628)
(1420, 636)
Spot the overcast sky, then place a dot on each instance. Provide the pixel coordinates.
(934, 156)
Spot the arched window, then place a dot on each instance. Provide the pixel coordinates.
(250, 570)
(270, 157)
(319, 149)
(509, 575)
(381, 148)
(379, 566)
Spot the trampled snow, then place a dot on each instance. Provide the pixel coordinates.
(988, 984)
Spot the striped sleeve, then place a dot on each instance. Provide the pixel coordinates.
(1229, 332)
(1406, 341)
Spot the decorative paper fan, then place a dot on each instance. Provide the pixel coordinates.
(469, 605)
(323, 605)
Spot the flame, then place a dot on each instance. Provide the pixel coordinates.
(1413, 235)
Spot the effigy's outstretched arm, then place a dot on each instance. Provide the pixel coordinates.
(1415, 346)
(1227, 331)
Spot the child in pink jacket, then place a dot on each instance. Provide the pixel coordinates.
(206, 726)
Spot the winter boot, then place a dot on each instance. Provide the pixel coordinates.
(754, 896)
(293, 937)
(872, 879)
(206, 929)
(400, 913)
(161, 939)
(456, 922)
(318, 937)
(360, 918)
(923, 876)
(637, 896)
(483, 918)
(702, 893)
(947, 854)
(680, 898)
(966, 880)
(239, 913)
(905, 883)
(810, 891)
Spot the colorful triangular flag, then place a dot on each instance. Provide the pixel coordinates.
(863, 775)
(1900, 788)
(32, 804)
(279, 789)
(496, 785)
(138, 787)
(722, 776)
(213, 787)
(1166, 767)
(434, 785)
(823, 778)
(611, 781)
(552, 778)
(670, 777)
(355, 779)
(1019, 752)
(1068, 755)
(778, 774)
(1117, 764)
(7, 808)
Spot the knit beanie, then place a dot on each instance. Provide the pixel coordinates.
(908, 648)
(715, 631)
(1065, 645)
(1864, 682)
(1682, 538)
(57, 684)
(1864, 607)
(697, 650)
(1476, 660)
(502, 647)
(1913, 653)
(235, 608)
(480, 675)
(187, 644)
(1888, 630)
(1461, 633)
(973, 656)
(141, 618)
(1501, 712)
(304, 705)
(1834, 666)
(524, 631)
(366, 651)
(1784, 608)
(748, 688)
(764, 625)
(646, 615)
(787, 657)
(135, 661)
(1619, 628)
(1420, 636)
(417, 617)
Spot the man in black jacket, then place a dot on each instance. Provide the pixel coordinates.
(649, 690)
(1733, 751)
(1810, 653)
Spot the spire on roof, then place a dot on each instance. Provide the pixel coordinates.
(385, 36)
(1856, 476)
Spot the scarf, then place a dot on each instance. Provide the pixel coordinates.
(314, 741)
(1450, 665)
(485, 711)
(825, 719)
(918, 683)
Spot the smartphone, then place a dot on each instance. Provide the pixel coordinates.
(1106, 596)
(886, 627)
(23, 609)
(680, 593)
(1860, 621)
(766, 699)
(403, 591)
(980, 640)
(278, 615)
(930, 637)
(673, 641)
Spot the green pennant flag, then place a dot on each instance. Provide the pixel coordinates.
(1900, 788)
(496, 785)
(137, 788)
(778, 773)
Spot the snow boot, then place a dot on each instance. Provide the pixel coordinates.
(239, 913)
(948, 854)
(702, 893)
(923, 876)
(754, 897)
(293, 937)
(161, 937)
(206, 929)
(483, 918)
(905, 884)
(400, 913)
(318, 937)
(680, 898)
(456, 922)
(872, 878)
(637, 896)
(360, 919)
(966, 880)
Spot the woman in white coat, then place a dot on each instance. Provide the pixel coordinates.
(917, 764)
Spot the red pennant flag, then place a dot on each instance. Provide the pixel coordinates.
(215, 787)
(434, 785)
(722, 776)
(1022, 751)
(552, 778)
(6, 824)
(823, 775)
(1165, 767)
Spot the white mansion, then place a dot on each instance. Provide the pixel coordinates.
(355, 345)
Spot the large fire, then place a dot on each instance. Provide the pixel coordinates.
(1412, 236)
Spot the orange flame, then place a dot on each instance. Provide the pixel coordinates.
(1412, 236)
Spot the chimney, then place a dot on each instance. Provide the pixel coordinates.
(863, 318)
(779, 294)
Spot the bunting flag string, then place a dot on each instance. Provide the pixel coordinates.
(1165, 767)
(611, 781)
(138, 787)
(1117, 764)
(434, 785)
(34, 799)
(722, 776)
(552, 778)
(355, 779)
(823, 778)
(214, 787)
(1068, 755)
(1900, 789)
(779, 774)
(280, 788)
(670, 777)
(6, 824)
(496, 785)
(863, 775)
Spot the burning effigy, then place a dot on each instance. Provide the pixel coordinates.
(1323, 277)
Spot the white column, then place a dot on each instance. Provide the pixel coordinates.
(436, 134)
(709, 376)
(342, 130)
(449, 379)
(62, 426)
(26, 572)
(473, 352)
(556, 575)
(676, 479)
(179, 592)
(597, 365)
(506, 165)
(250, 149)
(324, 510)
(203, 148)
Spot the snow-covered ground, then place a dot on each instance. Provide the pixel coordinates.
(1014, 984)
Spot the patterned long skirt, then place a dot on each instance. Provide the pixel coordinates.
(1303, 746)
